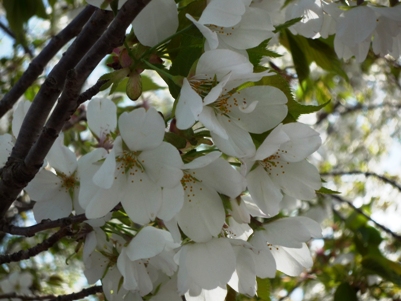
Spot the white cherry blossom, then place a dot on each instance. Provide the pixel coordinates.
(136, 170)
(102, 118)
(205, 265)
(61, 196)
(233, 24)
(202, 215)
(230, 115)
(279, 166)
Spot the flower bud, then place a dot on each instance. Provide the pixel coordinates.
(134, 86)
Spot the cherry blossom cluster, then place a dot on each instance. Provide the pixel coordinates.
(170, 221)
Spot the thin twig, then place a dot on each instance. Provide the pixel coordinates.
(38, 64)
(44, 225)
(12, 296)
(12, 35)
(366, 174)
(360, 211)
(74, 296)
(43, 246)
(80, 295)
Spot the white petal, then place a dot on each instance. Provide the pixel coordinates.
(288, 232)
(271, 108)
(313, 227)
(103, 201)
(255, 27)
(141, 130)
(244, 278)
(104, 177)
(220, 62)
(223, 13)
(141, 198)
(217, 294)
(292, 261)
(211, 122)
(163, 165)
(88, 165)
(222, 177)
(355, 25)
(264, 192)
(148, 243)
(173, 200)
(303, 142)
(203, 160)
(157, 21)
(216, 90)
(102, 116)
(299, 180)
(61, 158)
(127, 269)
(212, 41)
(189, 106)
(58, 207)
(210, 264)
(202, 215)
(239, 143)
(95, 270)
(46, 179)
(271, 144)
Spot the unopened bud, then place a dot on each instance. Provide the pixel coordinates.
(134, 86)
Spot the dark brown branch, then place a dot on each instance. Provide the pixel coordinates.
(67, 102)
(344, 110)
(44, 225)
(366, 174)
(12, 35)
(92, 91)
(88, 94)
(43, 246)
(53, 85)
(360, 211)
(74, 296)
(80, 295)
(38, 64)
(18, 171)
(25, 297)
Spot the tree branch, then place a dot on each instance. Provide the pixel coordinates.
(43, 246)
(18, 172)
(44, 225)
(37, 65)
(82, 294)
(12, 296)
(53, 85)
(74, 296)
(366, 174)
(344, 110)
(359, 210)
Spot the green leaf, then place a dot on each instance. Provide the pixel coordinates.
(299, 57)
(325, 190)
(295, 109)
(176, 140)
(257, 53)
(287, 24)
(18, 12)
(345, 292)
(264, 288)
(383, 267)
